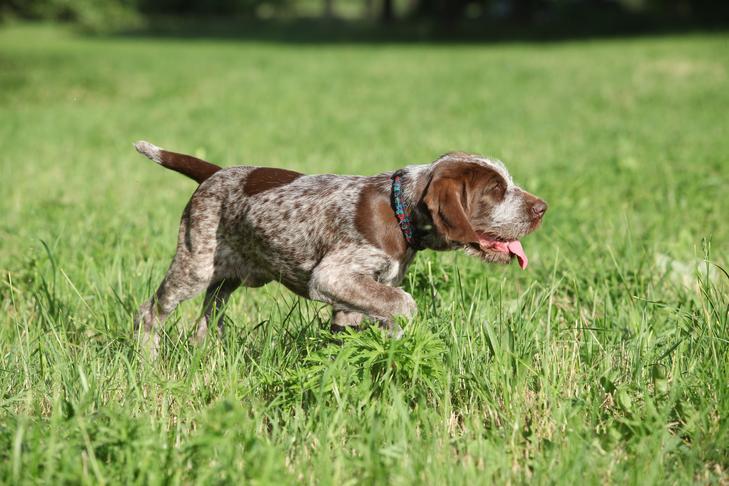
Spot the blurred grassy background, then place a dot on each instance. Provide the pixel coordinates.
(606, 361)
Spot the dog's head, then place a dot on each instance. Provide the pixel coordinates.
(473, 203)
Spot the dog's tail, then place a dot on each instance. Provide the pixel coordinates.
(192, 167)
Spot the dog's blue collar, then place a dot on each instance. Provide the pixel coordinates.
(403, 219)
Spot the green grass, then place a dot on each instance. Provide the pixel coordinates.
(606, 361)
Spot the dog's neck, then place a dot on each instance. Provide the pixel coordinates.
(414, 180)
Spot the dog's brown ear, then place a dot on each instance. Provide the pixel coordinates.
(446, 199)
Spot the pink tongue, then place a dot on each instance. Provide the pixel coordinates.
(510, 247)
(516, 249)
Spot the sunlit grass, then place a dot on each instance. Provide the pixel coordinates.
(606, 361)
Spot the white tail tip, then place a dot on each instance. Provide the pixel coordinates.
(149, 150)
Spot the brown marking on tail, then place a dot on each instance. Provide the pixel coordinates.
(192, 167)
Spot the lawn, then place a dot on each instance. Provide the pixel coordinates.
(606, 361)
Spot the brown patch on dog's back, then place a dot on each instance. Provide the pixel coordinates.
(265, 178)
(376, 221)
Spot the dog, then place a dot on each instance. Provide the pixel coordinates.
(346, 241)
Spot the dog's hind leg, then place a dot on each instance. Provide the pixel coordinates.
(192, 269)
(184, 280)
(216, 297)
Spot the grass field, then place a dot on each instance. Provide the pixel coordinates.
(607, 361)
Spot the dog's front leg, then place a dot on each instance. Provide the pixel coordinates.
(343, 319)
(363, 294)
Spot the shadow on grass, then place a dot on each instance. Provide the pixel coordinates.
(580, 25)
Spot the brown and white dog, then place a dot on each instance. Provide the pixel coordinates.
(331, 238)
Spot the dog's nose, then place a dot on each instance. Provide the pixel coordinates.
(539, 208)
